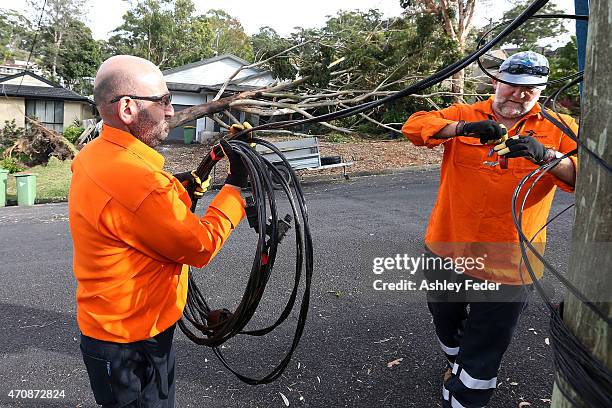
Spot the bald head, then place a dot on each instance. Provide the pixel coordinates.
(124, 75)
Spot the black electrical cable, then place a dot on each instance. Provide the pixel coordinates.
(262, 176)
(42, 12)
(588, 376)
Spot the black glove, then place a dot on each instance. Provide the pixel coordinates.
(527, 147)
(238, 175)
(190, 180)
(486, 130)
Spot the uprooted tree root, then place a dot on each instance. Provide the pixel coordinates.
(39, 144)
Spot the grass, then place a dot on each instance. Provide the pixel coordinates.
(52, 182)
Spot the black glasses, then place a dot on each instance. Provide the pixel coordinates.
(518, 69)
(165, 99)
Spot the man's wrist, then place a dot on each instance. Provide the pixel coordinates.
(549, 156)
(460, 128)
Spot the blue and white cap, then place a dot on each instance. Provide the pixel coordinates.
(525, 68)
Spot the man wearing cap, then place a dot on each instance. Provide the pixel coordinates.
(472, 218)
(134, 237)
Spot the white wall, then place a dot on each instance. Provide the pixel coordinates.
(187, 98)
(27, 81)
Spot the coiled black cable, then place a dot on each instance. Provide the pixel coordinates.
(270, 229)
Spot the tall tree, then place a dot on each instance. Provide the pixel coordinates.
(533, 31)
(456, 17)
(56, 18)
(163, 31)
(15, 32)
(229, 35)
(78, 58)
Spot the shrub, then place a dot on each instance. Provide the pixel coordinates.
(9, 134)
(11, 164)
(72, 133)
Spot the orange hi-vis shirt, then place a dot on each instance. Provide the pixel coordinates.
(472, 216)
(133, 231)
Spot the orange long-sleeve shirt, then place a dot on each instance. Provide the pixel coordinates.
(472, 216)
(132, 232)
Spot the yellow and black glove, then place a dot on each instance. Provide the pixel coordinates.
(525, 146)
(236, 127)
(488, 131)
(189, 179)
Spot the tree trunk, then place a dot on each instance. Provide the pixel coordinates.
(458, 85)
(589, 268)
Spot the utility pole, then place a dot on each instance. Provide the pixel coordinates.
(591, 258)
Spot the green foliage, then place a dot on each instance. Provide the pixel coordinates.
(169, 33)
(267, 43)
(163, 31)
(531, 32)
(14, 35)
(78, 56)
(335, 137)
(11, 164)
(9, 134)
(564, 62)
(228, 35)
(72, 133)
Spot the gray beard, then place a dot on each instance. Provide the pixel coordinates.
(510, 110)
(147, 130)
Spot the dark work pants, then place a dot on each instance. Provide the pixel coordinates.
(139, 374)
(474, 329)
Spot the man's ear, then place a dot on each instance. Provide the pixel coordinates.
(127, 110)
(494, 83)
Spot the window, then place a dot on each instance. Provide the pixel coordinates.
(49, 113)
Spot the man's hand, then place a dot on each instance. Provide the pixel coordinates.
(488, 131)
(527, 147)
(189, 179)
(238, 175)
(235, 128)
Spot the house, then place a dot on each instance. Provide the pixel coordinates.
(26, 93)
(8, 68)
(199, 82)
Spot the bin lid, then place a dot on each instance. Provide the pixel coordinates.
(4, 171)
(24, 174)
(189, 127)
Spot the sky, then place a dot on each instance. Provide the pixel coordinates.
(105, 15)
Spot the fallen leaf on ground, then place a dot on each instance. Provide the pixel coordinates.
(285, 400)
(524, 404)
(394, 362)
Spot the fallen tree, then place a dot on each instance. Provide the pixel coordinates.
(38, 144)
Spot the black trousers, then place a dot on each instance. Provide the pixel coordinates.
(139, 374)
(474, 329)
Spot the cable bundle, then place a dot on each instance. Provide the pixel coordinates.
(216, 327)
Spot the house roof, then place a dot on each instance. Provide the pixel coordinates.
(54, 91)
(204, 62)
(182, 87)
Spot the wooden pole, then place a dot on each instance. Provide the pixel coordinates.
(591, 260)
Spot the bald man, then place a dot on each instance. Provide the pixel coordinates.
(134, 237)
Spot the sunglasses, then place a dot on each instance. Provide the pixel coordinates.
(165, 99)
(518, 69)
